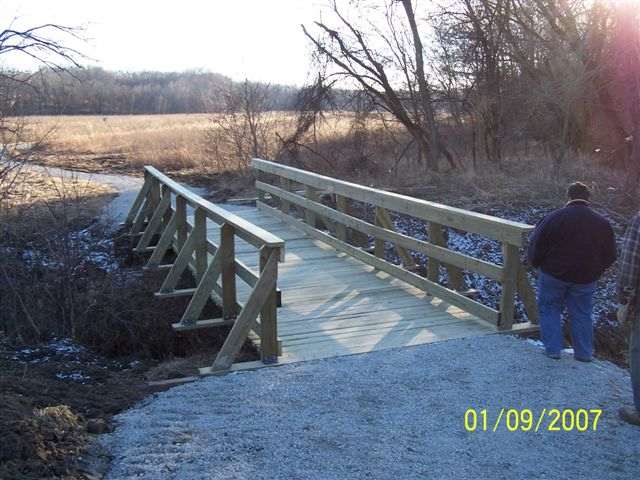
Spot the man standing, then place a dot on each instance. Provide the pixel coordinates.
(571, 247)
(628, 282)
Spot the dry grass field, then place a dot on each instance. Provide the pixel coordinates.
(123, 143)
(185, 144)
(197, 148)
(37, 194)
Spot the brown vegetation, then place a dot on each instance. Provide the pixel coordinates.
(48, 418)
(79, 327)
(366, 147)
(37, 193)
(122, 143)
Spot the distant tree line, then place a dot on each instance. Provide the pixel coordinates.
(95, 91)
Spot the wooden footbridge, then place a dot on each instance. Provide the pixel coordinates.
(298, 276)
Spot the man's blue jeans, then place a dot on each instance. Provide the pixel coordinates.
(553, 295)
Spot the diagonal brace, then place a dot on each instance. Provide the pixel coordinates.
(179, 265)
(164, 243)
(154, 223)
(138, 202)
(263, 289)
(203, 290)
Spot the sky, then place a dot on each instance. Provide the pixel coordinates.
(256, 39)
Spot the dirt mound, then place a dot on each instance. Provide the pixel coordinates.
(52, 397)
(38, 442)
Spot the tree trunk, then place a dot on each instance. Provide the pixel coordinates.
(424, 93)
(633, 177)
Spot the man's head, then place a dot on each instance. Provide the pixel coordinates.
(578, 191)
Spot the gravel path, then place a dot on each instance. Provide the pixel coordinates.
(126, 186)
(395, 414)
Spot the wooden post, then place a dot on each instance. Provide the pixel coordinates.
(511, 258)
(151, 200)
(310, 217)
(181, 221)
(154, 194)
(268, 313)
(166, 192)
(260, 176)
(180, 264)
(341, 229)
(202, 292)
(138, 203)
(383, 220)
(436, 236)
(527, 294)
(164, 243)
(285, 206)
(357, 238)
(456, 278)
(227, 252)
(378, 248)
(262, 291)
(200, 232)
(154, 223)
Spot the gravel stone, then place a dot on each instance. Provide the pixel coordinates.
(394, 414)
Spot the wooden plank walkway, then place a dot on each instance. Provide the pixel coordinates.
(333, 304)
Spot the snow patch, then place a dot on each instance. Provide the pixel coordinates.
(484, 248)
(59, 348)
(78, 377)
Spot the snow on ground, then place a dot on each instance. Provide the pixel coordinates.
(395, 414)
(87, 247)
(126, 186)
(482, 247)
(74, 360)
(60, 348)
(91, 247)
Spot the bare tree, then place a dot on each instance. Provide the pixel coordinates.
(40, 44)
(246, 128)
(388, 63)
(619, 83)
(471, 36)
(543, 69)
(311, 103)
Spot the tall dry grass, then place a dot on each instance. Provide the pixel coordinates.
(172, 141)
(195, 141)
(367, 148)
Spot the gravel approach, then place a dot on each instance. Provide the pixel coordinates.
(126, 186)
(394, 414)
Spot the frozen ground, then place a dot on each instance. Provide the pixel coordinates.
(479, 246)
(126, 186)
(395, 414)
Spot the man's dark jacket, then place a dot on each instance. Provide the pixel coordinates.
(573, 244)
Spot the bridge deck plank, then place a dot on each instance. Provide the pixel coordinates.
(334, 305)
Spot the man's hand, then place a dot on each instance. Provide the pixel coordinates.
(625, 295)
(623, 313)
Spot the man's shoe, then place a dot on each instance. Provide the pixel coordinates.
(630, 415)
(555, 356)
(584, 359)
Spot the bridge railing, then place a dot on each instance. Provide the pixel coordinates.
(163, 207)
(291, 187)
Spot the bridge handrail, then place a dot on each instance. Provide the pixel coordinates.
(506, 231)
(340, 220)
(161, 208)
(249, 232)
